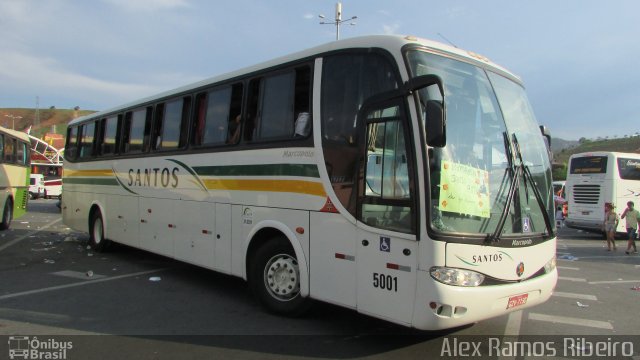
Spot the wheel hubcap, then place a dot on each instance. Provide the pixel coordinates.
(281, 277)
(97, 231)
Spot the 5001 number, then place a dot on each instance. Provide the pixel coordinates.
(386, 282)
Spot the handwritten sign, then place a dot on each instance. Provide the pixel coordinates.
(464, 189)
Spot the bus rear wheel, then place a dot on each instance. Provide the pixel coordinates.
(274, 279)
(7, 215)
(96, 232)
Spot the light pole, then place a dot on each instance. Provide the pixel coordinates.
(13, 120)
(338, 21)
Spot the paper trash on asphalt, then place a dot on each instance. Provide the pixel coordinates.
(155, 278)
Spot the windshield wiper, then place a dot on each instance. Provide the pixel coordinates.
(536, 192)
(516, 172)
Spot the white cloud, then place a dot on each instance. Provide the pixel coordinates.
(390, 29)
(45, 74)
(308, 16)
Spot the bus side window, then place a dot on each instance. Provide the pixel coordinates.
(137, 130)
(217, 119)
(171, 124)
(108, 137)
(72, 143)
(21, 153)
(302, 102)
(276, 107)
(87, 139)
(9, 150)
(197, 130)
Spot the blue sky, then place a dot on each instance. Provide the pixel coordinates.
(577, 57)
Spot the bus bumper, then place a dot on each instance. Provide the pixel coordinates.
(586, 225)
(440, 306)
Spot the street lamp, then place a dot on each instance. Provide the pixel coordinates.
(13, 120)
(338, 21)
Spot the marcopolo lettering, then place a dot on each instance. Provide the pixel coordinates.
(155, 177)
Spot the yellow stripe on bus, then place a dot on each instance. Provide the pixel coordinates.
(291, 186)
(99, 172)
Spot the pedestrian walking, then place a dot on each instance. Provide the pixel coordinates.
(632, 215)
(610, 224)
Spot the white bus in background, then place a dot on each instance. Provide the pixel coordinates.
(52, 173)
(595, 178)
(373, 204)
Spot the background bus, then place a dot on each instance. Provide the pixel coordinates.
(52, 178)
(14, 175)
(374, 205)
(596, 178)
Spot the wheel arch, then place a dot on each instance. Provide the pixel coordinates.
(266, 231)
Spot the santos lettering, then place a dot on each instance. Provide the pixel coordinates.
(486, 258)
(156, 177)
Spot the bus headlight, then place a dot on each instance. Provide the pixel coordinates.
(550, 265)
(456, 277)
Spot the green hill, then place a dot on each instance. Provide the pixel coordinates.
(50, 119)
(629, 144)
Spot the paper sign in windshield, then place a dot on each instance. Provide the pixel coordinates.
(464, 189)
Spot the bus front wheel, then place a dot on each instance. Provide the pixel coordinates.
(7, 215)
(96, 232)
(274, 278)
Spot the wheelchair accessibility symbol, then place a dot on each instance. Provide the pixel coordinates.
(385, 244)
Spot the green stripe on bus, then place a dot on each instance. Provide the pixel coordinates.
(90, 181)
(303, 170)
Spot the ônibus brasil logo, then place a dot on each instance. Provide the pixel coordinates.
(32, 348)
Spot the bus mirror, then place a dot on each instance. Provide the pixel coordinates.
(430, 87)
(424, 81)
(546, 135)
(435, 126)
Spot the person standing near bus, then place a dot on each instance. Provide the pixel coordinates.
(610, 225)
(632, 215)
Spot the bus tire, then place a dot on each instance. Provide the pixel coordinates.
(274, 278)
(96, 232)
(7, 215)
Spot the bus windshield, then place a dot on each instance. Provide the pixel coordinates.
(490, 131)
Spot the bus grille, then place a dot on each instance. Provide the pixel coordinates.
(586, 194)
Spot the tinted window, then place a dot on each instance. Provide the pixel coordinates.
(137, 129)
(276, 102)
(218, 116)
(588, 165)
(21, 153)
(347, 81)
(86, 140)
(276, 120)
(9, 150)
(110, 135)
(72, 143)
(629, 169)
(171, 124)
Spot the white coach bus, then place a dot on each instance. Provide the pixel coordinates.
(330, 174)
(14, 175)
(596, 178)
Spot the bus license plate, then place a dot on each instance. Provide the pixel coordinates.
(517, 300)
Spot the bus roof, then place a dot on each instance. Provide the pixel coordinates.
(605, 153)
(390, 42)
(18, 134)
